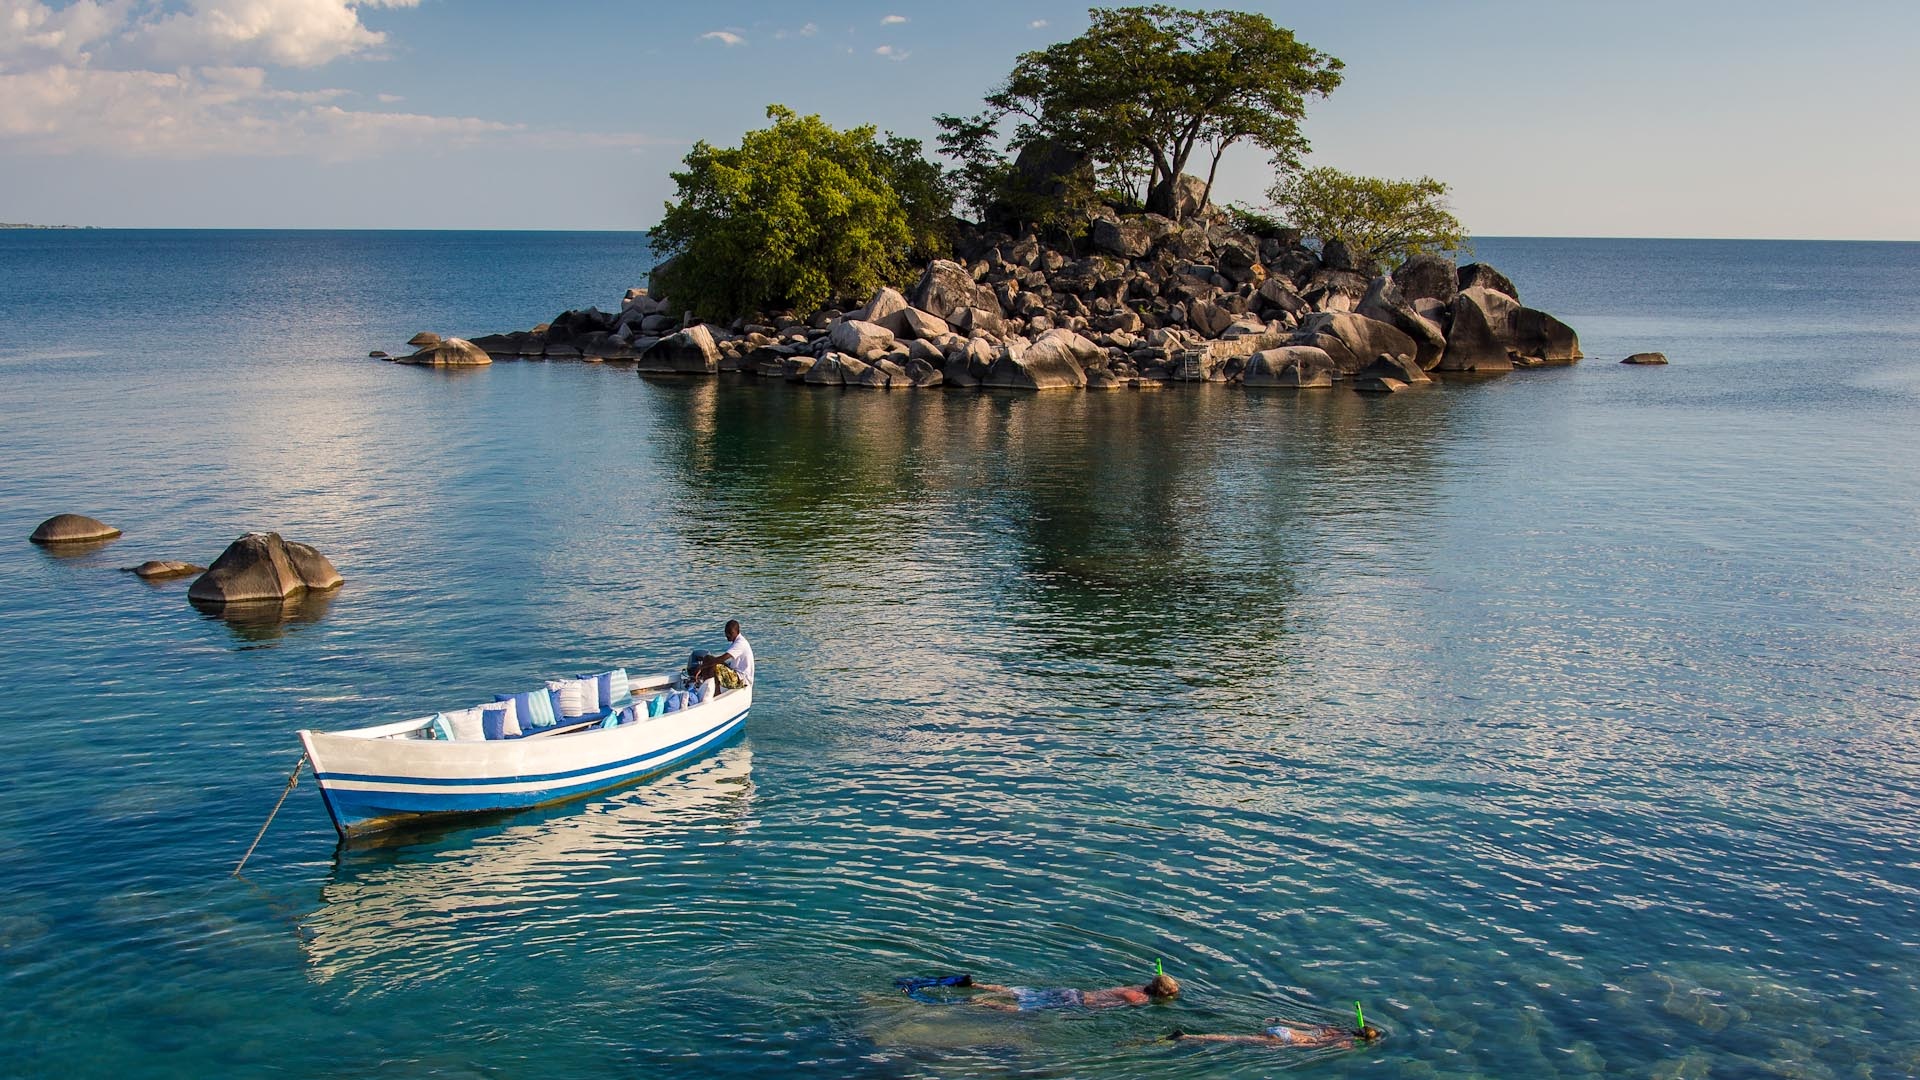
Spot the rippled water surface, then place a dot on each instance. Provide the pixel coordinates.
(1566, 719)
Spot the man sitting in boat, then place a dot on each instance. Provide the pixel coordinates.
(731, 669)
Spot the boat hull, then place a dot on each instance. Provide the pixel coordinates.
(374, 784)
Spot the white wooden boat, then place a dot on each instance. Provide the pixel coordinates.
(389, 775)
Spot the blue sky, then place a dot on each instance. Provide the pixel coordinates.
(1570, 119)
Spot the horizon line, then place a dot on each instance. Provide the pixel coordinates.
(556, 229)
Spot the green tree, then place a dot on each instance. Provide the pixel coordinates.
(798, 214)
(1378, 219)
(1146, 88)
(926, 193)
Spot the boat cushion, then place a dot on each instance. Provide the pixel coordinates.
(533, 709)
(467, 725)
(441, 729)
(576, 697)
(656, 704)
(590, 695)
(615, 688)
(500, 720)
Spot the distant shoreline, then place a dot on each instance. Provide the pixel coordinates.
(15, 225)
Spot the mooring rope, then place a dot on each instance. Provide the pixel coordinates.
(291, 781)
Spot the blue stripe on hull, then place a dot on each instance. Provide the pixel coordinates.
(359, 811)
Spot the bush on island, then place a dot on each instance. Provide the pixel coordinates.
(796, 215)
(1377, 220)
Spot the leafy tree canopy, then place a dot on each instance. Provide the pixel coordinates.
(798, 214)
(1146, 87)
(1378, 219)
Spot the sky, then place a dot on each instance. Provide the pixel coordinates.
(1689, 118)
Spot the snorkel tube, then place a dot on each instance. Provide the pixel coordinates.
(1362, 1030)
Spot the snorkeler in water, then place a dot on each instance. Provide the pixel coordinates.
(1161, 987)
(1282, 1034)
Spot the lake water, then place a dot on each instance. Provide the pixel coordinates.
(1566, 719)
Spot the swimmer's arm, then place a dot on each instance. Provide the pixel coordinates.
(991, 988)
(1259, 1039)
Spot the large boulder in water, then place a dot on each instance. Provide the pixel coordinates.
(450, 352)
(72, 529)
(1055, 361)
(690, 352)
(1352, 340)
(1542, 337)
(1646, 358)
(1296, 367)
(425, 339)
(1480, 333)
(1489, 330)
(262, 566)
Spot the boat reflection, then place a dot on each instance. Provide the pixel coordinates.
(401, 911)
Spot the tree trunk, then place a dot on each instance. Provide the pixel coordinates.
(1212, 169)
(1160, 196)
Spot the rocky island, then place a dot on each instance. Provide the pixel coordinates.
(1157, 299)
(1090, 256)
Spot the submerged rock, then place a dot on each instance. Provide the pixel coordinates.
(1646, 358)
(72, 529)
(450, 352)
(160, 569)
(262, 566)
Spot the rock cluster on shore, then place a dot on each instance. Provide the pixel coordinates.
(1153, 300)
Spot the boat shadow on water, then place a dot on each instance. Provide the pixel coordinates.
(398, 899)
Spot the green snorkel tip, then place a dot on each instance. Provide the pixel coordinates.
(1156, 968)
(1359, 1016)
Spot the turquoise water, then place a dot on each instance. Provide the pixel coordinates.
(1567, 719)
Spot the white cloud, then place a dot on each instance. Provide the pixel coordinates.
(283, 33)
(891, 53)
(893, 20)
(32, 32)
(203, 112)
(724, 37)
(1037, 24)
(60, 95)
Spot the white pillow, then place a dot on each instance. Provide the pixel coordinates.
(466, 725)
(570, 704)
(510, 727)
(590, 703)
